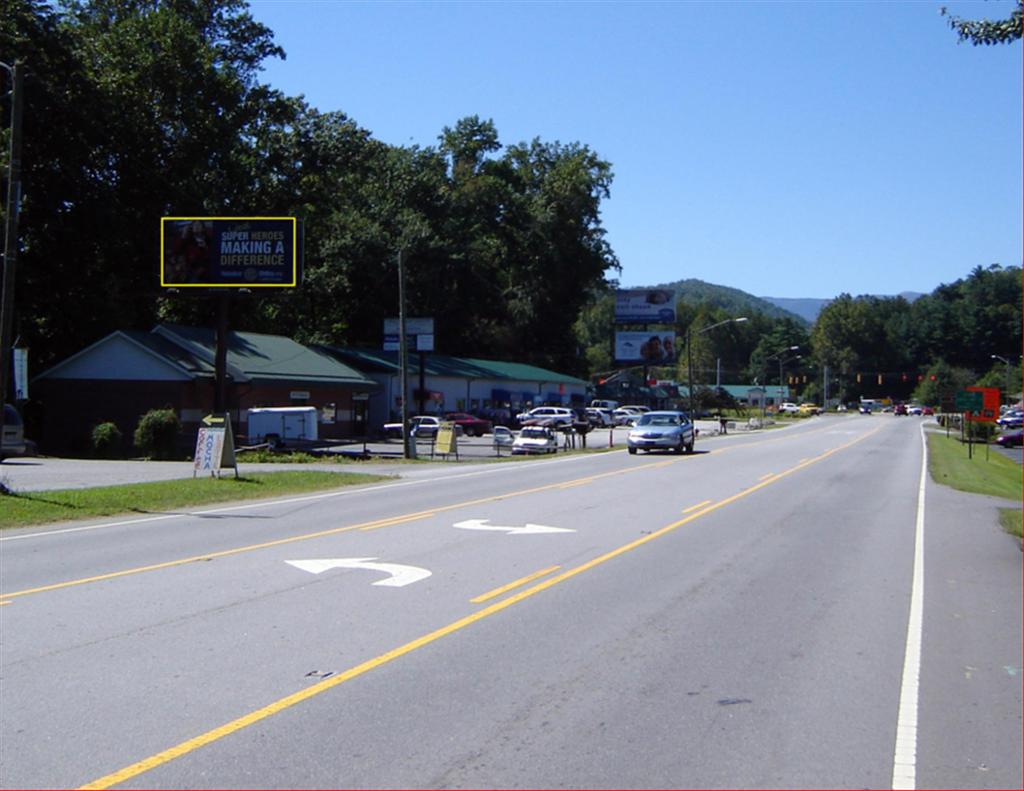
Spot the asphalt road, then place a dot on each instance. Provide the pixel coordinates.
(736, 618)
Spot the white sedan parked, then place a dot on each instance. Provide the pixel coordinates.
(535, 439)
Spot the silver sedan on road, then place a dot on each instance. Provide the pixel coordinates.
(661, 431)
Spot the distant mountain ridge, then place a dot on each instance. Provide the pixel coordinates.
(808, 308)
(733, 300)
(804, 310)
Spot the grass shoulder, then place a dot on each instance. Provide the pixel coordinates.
(986, 473)
(22, 509)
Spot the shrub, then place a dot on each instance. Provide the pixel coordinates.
(106, 440)
(156, 436)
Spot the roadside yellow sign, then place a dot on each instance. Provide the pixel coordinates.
(446, 441)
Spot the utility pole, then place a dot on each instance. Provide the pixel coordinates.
(10, 233)
(408, 442)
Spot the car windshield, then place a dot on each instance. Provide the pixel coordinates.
(658, 420)
(533, 433)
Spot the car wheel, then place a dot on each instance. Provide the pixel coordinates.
(632, 451)
(689, 448)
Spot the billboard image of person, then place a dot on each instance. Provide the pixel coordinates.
(652, 348)
(218, 252)
(645, 306)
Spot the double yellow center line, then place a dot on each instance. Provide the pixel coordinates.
(247, 720)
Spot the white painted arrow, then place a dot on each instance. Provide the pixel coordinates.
(399, 575)
(481, 524)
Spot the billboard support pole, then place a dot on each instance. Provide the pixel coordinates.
(423, 381)
(221, 357)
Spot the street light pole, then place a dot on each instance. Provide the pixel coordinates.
(1007, 364)
(10, 233)
(689, 355)
(778, 354)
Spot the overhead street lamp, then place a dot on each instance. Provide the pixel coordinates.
(689, 355)
(782, 362)
(1007, 364)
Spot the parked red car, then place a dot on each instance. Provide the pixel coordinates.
(472, 426)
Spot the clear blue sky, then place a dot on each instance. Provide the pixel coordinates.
(789, 149)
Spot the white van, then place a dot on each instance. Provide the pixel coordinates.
(604, 403)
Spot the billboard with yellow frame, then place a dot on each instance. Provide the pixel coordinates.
(225, 252)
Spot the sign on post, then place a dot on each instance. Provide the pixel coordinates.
(446, 441)
(966, 401)
(655, 348)
(215, 446)
(645, 306)
(226, 252)
(986, 408)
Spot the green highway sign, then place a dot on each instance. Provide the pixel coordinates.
(967, 401)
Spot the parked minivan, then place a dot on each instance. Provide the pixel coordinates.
(13, 443)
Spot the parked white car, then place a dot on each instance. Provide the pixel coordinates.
(535, 439)
(422, 426)
(503, 437)
(600, 416)
(559, 414)
(789, 408)
(625, 416)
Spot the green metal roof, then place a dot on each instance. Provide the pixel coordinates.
(265, 357)
(444, 365)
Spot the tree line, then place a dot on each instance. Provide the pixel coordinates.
(138, 109)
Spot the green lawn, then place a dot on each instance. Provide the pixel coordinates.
(33, 508)
(996, 475)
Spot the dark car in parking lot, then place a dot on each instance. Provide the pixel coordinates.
(1011, 439)
(472, 426)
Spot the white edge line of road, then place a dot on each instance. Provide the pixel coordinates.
(904, 768)
(303, 499)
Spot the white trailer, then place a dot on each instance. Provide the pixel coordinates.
(285, 423)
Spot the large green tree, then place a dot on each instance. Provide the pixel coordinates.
(158, 111)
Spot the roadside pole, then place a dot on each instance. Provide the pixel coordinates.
(10, 234)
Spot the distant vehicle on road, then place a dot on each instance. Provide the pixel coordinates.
(810, 409)
(900, 409)
(789, 408)
(662, 430)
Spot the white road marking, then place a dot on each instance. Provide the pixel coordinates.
(528, 529)
(257, 504)
(399, 575)
(904, 768)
